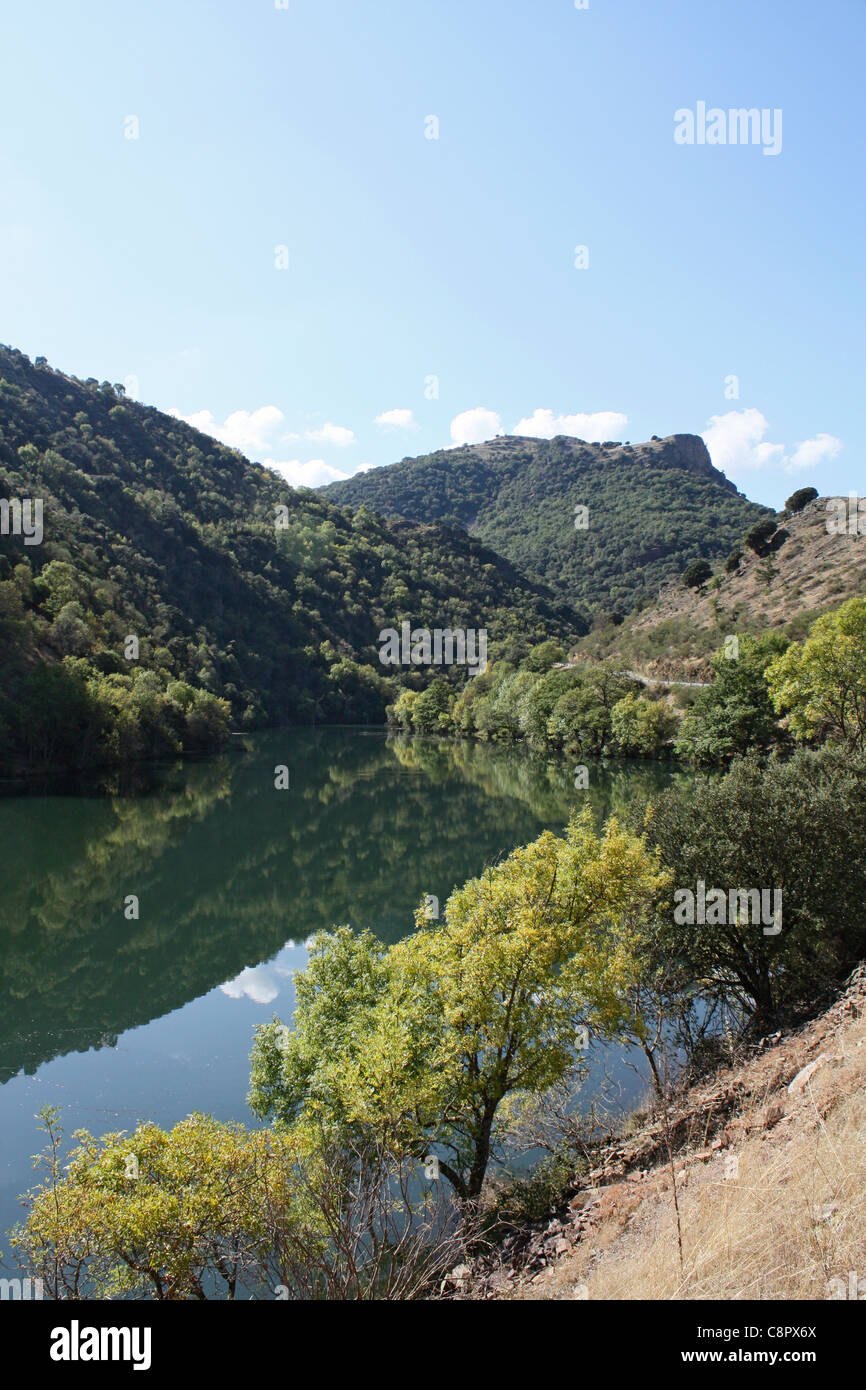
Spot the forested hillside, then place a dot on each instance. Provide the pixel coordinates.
(651, 509)
(243, 615)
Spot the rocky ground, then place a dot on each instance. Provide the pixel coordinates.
(754, 1133)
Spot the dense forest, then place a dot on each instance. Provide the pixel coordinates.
(249, 603)
(650, 509)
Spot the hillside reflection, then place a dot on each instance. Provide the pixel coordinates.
(227, 869)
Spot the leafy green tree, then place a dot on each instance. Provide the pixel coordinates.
(580, 722)
(402, 710)
(734, 714)
(209, 1210)
(538, 702)
(759, 535)
(697, 573)
(192, 1213)
(58, 722)
(641, 727)
(506, 702)
(543, 657)
(432, 709)
(429, 1044)
(801, 498)
(798, 827)
(821, 683)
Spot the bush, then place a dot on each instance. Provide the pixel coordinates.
(760, 534)
(796, 826)
(801, 498)
(543, 657)
(696, 574)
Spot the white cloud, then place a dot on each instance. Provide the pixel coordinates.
(254, 983)
(475, 426)
(595, 429)
(811, 453)
(248, 431)
(256, 432)
(397, 420)
(313, 473)
(332, 434)
(736, 442)
(737, 445)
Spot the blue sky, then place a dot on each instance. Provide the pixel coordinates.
(154, 259)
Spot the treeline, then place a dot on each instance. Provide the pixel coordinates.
(587, 710)
(767, 693)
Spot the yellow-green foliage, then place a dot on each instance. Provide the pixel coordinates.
(821, 683)
(420, 1044)
(178, 1214)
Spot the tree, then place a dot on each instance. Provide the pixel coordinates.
(176, 1215)
(432, 708)
(759, 535)
(401, 712)
(429, 1043)
(796, 827)
(211, 1210)
(580, 721)
(734, 714)
(641, 727)
(543, 657)
(537, 703)
(801, 498)
(821, 683)
(696, 574)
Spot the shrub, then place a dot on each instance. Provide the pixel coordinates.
(757, 538)
(696, 574)
(801, 498)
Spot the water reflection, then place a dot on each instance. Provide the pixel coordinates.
(227, 870)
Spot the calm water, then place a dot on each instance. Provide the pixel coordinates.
(119, 1021)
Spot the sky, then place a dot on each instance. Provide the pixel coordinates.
(334, 234)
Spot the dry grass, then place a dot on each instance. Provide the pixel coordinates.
(792, 1219)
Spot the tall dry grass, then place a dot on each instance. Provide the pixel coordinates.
(792, 1221)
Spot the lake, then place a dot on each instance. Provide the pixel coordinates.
(118, 1020)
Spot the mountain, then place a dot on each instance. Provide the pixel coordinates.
(155, 531)
(805, 569)
(652, 508)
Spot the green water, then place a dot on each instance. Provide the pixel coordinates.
(119, 1020)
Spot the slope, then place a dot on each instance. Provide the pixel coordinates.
(652, 508)
(808, 567)
(155, 531)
